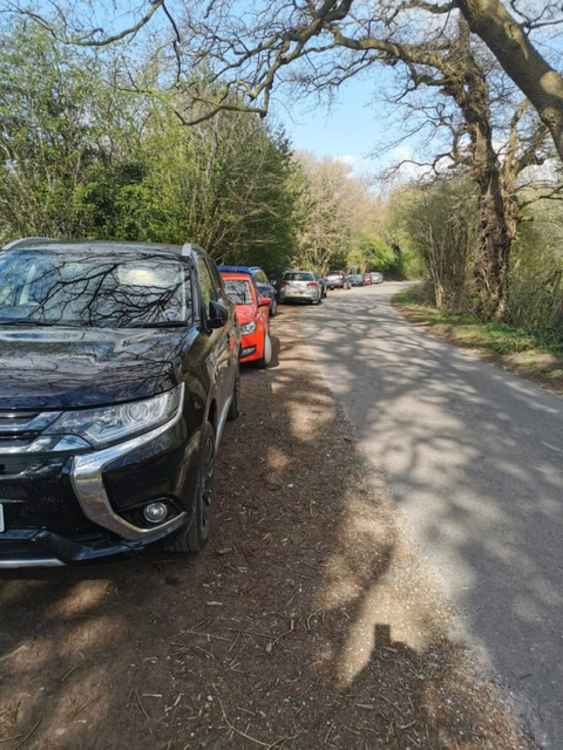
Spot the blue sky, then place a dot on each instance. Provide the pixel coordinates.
(354, 128)
(347, 127)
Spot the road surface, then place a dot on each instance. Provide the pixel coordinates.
(474, 459)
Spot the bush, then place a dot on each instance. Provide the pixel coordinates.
(535, 299)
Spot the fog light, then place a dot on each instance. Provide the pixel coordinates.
(155, 512)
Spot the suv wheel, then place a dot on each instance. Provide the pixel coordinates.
(234, 408)
(194, 538)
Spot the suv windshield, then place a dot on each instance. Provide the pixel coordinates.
(90, 289)
(238, 291)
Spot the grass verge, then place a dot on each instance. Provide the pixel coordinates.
(515, 349)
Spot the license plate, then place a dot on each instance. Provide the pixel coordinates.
(2, 524)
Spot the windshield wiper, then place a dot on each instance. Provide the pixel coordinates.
(25, 322)
(158, 324)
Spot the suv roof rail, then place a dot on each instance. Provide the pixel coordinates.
(24, 241)
(189, 249)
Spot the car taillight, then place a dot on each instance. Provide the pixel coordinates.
(312, 283)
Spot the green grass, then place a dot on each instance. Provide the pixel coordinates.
(519, 349)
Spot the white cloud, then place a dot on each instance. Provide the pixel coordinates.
(407, 171)
(359, 164)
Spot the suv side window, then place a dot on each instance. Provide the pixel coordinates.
(206, 283)
(261, 277)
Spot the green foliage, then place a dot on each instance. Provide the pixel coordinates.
(468, 330)
(86, 160)
(536, 278)
(437, 223)
(371, 252)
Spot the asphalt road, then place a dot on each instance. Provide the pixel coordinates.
(474, 459)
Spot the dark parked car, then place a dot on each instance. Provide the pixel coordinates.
(119, 367)
(357, 279)
(263, 284)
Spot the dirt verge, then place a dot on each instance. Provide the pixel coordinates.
(307, 622)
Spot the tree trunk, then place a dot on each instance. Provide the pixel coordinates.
(439, 296)
(504, 36)
(493, 259)
(471, 92)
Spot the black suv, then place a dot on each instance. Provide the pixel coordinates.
(119, 367)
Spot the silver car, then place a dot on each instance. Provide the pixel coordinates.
(300, 285)
(338, 280)
(376, 277)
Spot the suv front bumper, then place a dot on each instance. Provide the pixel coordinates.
(98, 512)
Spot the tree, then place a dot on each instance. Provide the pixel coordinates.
(440, 221)
(54, 116)
(508, 39)
(83, 158)
(335, 206)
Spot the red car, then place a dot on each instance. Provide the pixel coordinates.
(253, 316)
(367, 279)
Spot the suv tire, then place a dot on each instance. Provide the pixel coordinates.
(193, 538)
(234, 408)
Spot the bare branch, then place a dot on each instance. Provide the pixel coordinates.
(86, 40)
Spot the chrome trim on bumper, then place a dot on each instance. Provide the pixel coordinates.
(222, 422)
(88, 483)
(39, 562)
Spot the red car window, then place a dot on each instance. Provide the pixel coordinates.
(239, 291)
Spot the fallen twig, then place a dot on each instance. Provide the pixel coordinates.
(140, 704)
(208, 654)
(13, 652)
(209, 635)
(238, 731)
(83, 706)
(30, 734)
(251, 632)
(390, 702)
(11, 739)
(70, 671)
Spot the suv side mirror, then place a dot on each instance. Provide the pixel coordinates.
(264, 301)
(218, 315)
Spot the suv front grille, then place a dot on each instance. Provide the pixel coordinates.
(28, 424)
(35, 488)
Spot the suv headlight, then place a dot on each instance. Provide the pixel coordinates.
(110, 424)
(248, 328)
